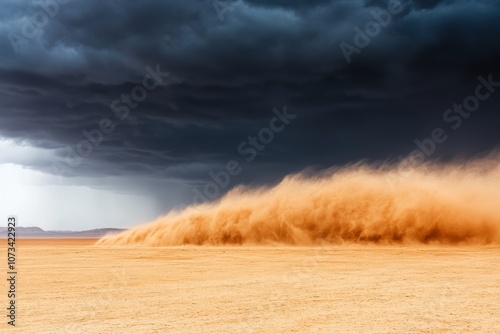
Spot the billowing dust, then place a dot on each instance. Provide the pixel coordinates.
(456, 203)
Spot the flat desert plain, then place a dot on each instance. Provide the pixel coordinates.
(72, 286)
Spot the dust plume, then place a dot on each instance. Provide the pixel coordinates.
(456, 203)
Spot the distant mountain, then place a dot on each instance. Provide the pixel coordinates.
(37, 232)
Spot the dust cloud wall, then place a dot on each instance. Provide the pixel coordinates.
(456, 203)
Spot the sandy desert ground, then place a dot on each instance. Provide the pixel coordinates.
(71, 286)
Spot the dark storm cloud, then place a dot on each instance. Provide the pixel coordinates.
(227, 75)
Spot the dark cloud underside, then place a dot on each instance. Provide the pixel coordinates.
(227, 75)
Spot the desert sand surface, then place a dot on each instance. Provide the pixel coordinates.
(72, 286)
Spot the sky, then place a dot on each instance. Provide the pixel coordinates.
(114, 112)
